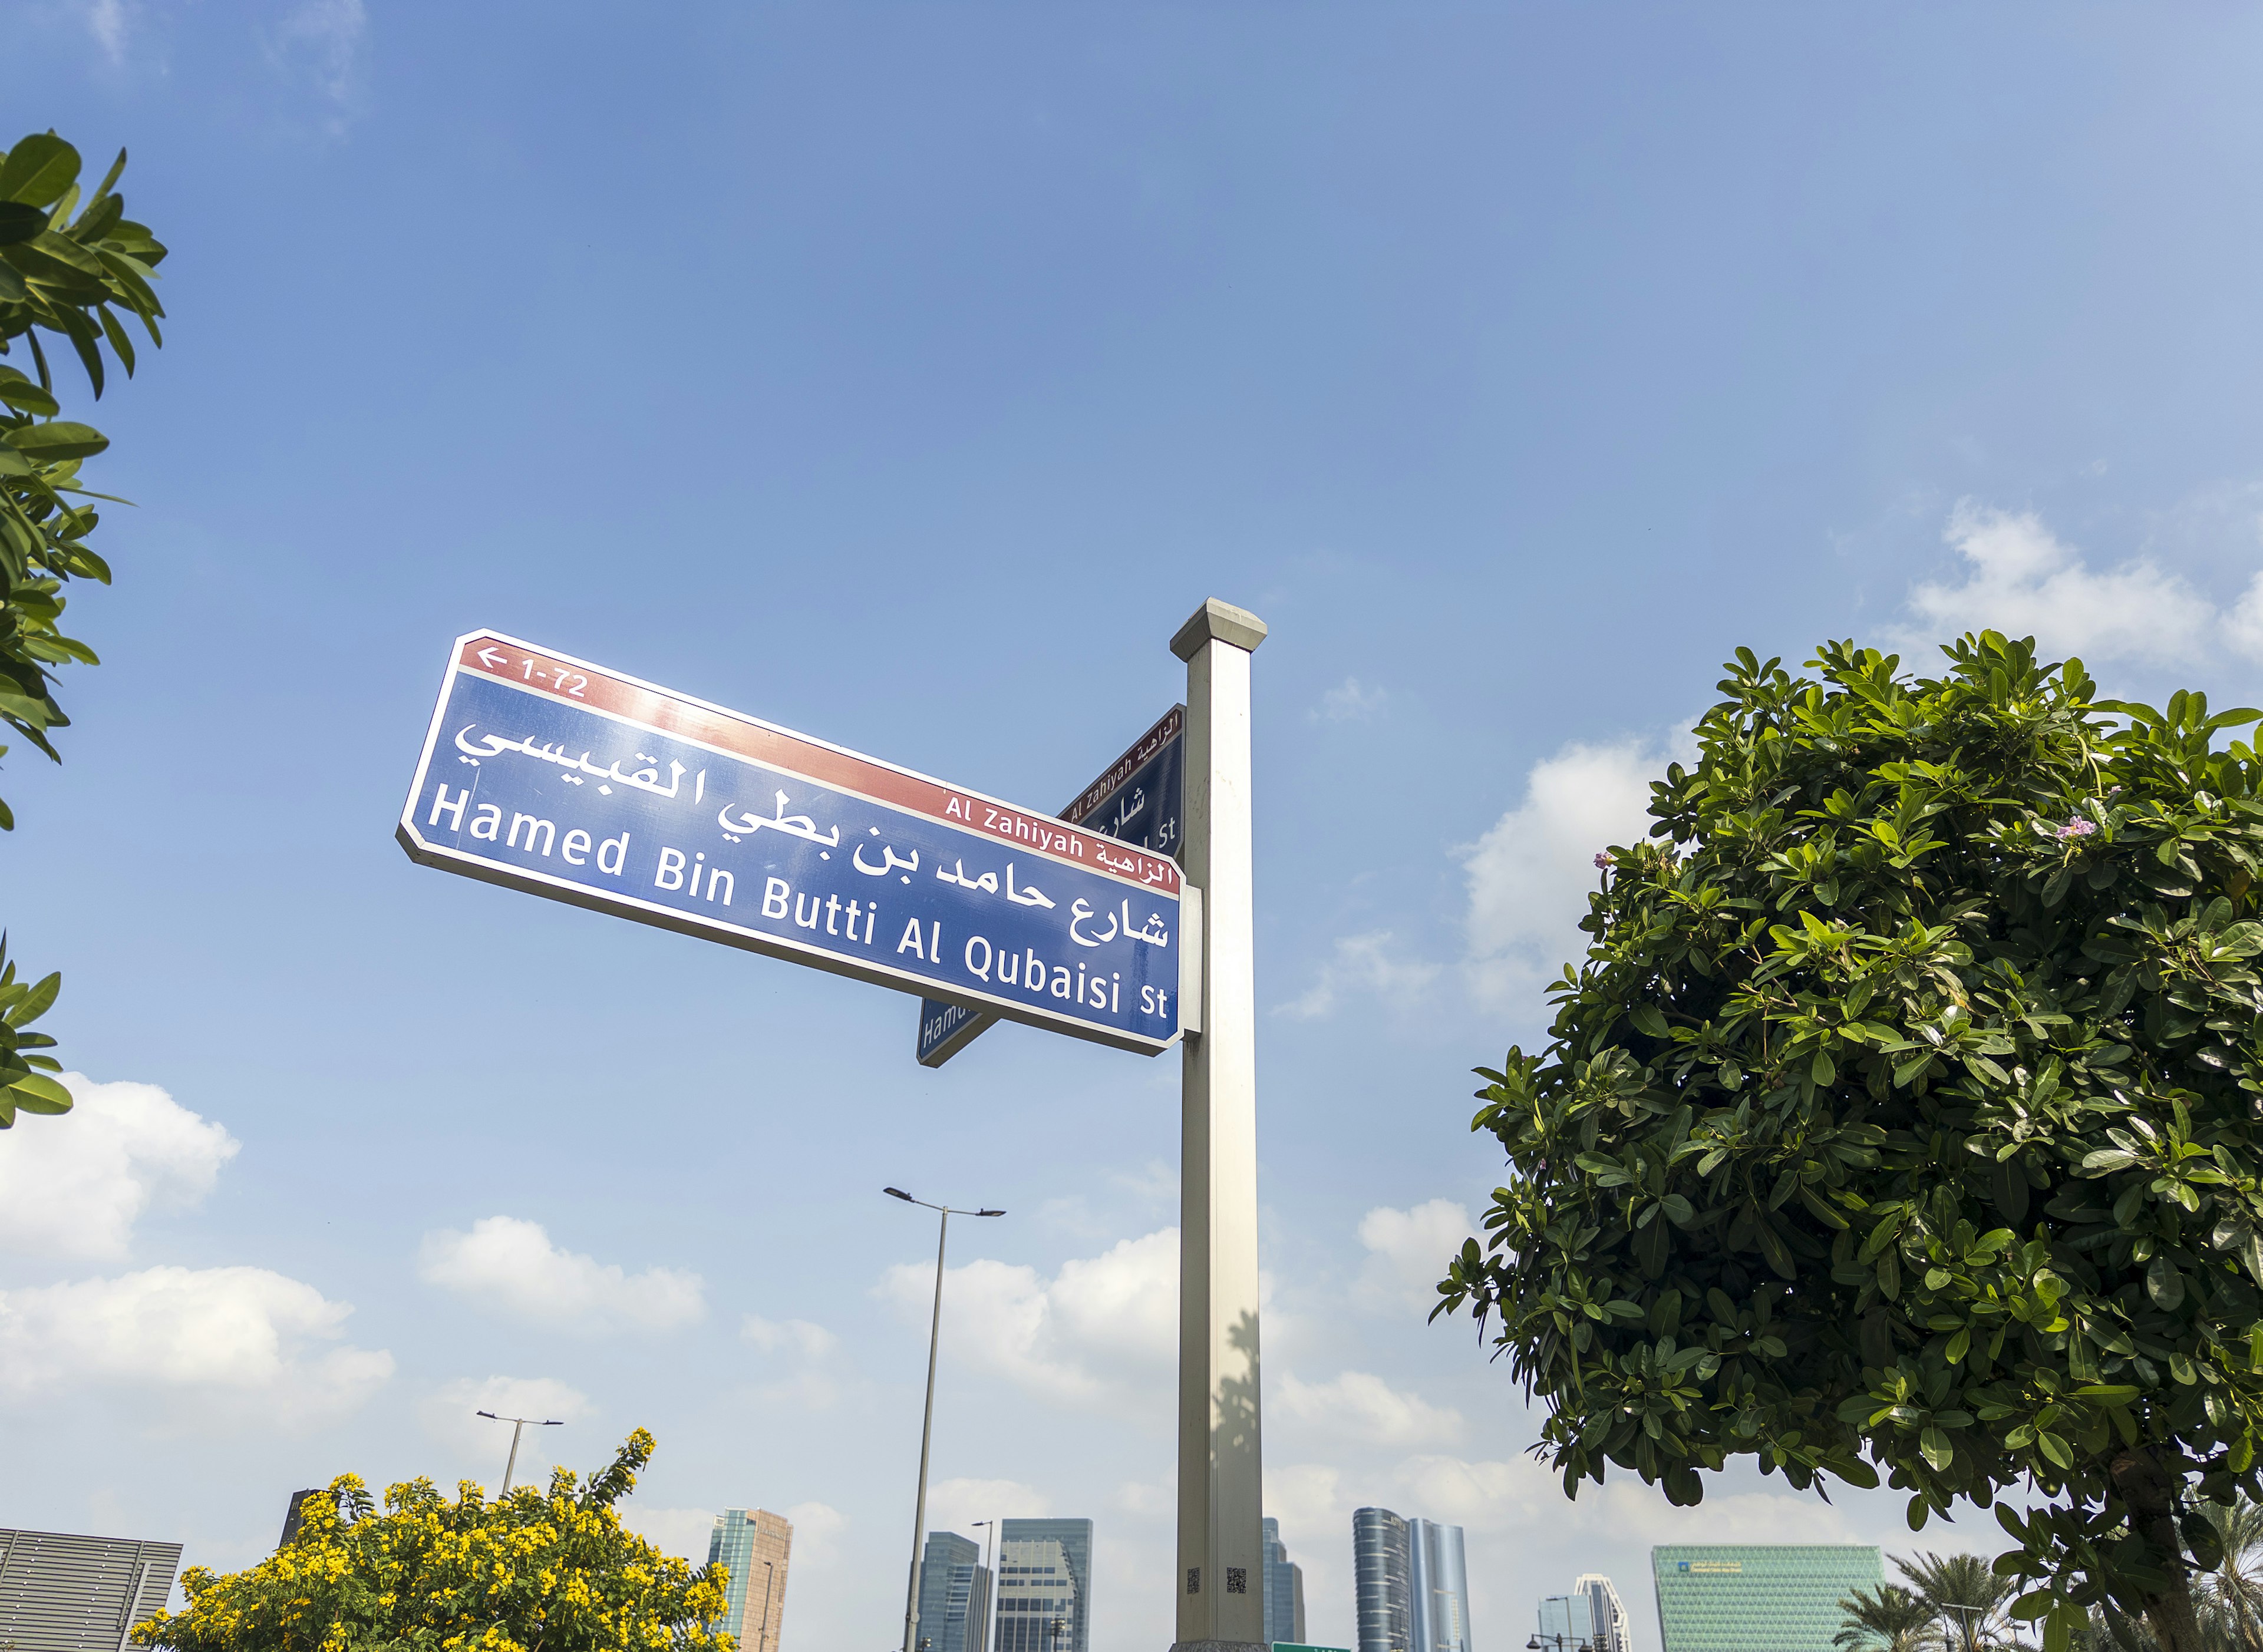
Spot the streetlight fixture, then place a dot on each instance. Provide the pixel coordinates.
(927, 1424)
(518, 1426)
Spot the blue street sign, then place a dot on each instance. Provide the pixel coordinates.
(562, 779)
(1136, 799)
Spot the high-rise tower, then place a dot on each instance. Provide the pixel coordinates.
(1045, 1579)
(753, 1545)
(954, 1603)
(1381, 1572)
(1285, 1589)
(1413, 1581)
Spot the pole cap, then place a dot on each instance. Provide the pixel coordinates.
(1218, 622)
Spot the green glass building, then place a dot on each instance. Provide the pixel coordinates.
(1758, 1597)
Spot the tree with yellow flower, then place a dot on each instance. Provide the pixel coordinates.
(532, 1571)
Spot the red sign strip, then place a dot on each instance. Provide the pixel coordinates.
(577, 683)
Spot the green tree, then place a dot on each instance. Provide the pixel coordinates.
(530, 1572)
(1963, 1594)
(1902, 1116)
(68, 267)
(1894, 1620)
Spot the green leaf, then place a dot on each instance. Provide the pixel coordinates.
(1935, 1446)
(1646, 1020)
(22, 394)
(38, 170)
(35, 1003)
(36, 1092)
(20, 222)
(2163, 1284)
(1822, 1071)
(57, 439)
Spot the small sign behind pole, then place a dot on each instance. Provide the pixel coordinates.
(565, 780)
(1136, 800)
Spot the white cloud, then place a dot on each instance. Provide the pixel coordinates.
(1530, 874)
(481, 1444)
(1364, 972)
(817, 1529)
(1360, 1406)
(805, 1350)
(1519, 1496)
(74, 1185)
(680, 1532)
(109, 21)
(2243, 626)
(954, 1505)
(512, 1265)
(1105, 1327)
(1408, 1253)
(320, 41)
(240, 1344)
(1351, 701)
(2023, 581)
(794, 1336)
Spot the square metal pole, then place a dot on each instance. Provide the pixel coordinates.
(1221, 1571)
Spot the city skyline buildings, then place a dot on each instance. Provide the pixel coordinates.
(1285, 1588)
(1591, 1618)
(1411, 1582)
(1045, 1575)
(954, 1597)
(751, 1543)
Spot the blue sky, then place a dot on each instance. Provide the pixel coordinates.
(904, 375)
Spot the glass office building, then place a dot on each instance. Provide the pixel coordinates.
(1045, 1586)
(1756, 1598)
(1441, 1591)
(1413, 1583)
(1380, 1567)
(753, 1546)
(1284, 1590)
(954, 1600)
(1590, 1619)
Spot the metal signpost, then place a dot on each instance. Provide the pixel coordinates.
(552, 775)
(562, 779)
(1137, 800)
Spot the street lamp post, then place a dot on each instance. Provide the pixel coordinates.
(517, 1426)
(927, 1423)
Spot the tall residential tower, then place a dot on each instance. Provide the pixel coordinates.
(1413, 1583)
(753, 1544)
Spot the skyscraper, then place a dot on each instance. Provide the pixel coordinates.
(1284, 1590)
(753, 1545)
(1051, 1578)
(1607, 1613)
(1381, 1573)
(954, 1603)
(1759, 1597)
(1441, 1592)
(1413, 1585)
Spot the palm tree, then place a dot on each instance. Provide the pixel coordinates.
(2235, 1588)
(1964, 1593)
(1891, 1621)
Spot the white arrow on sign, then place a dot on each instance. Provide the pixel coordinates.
(490, 659)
